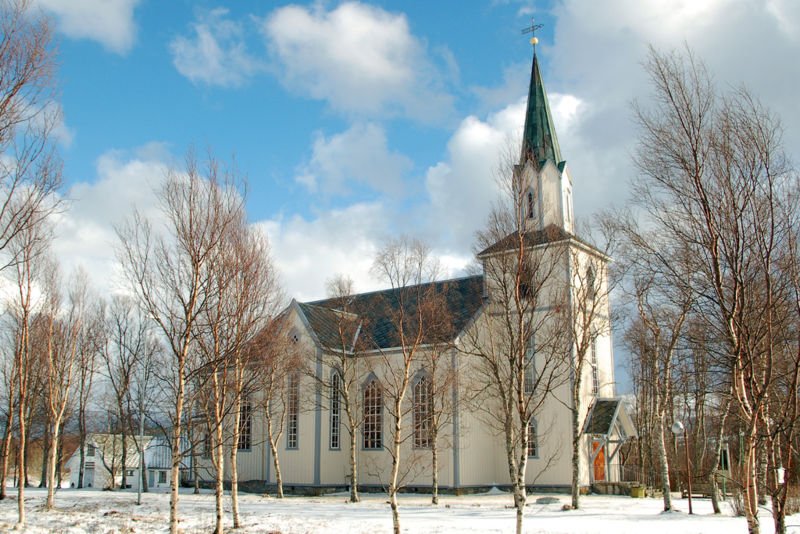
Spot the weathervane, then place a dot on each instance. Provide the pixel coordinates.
(532, 30)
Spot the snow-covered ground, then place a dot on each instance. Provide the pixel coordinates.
(83, 511)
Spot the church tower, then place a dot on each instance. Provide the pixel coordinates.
(545, 185)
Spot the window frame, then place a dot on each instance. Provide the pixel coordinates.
(335, 420)
(245, 442)
(594, 365)
(293, 412)
(533, 438)
(372, 425)
(422, 408)
(529, 372)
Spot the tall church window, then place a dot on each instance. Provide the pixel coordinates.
(423, 413)
(292, 410)
(336, 411)
(533, 440)
(373, 416)
(245, 426)
(207, 445)
(530, 379)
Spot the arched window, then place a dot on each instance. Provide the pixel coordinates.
(423, 413)
(292, 410)
(530, 370)
(529, 197)
(373, 415)
(533, 440)
(591, 288)
(336, 415)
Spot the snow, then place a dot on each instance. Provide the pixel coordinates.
(85, 511)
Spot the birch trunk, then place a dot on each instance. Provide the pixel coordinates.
(237, 415)
(7, 443)
(396, 440)
(434, 466)
(353, 464)
(51, 466)
(273, 447)
(175, 475)
(663, 461)
(219, 486)
(576, 436)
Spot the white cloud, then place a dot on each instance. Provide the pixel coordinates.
(344, 241)
(109, 22)
(463, 188)
(361, 59)
(358, 155)
(85, 233)
(216, 53)
(597, 56)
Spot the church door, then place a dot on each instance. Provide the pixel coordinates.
(599, 461)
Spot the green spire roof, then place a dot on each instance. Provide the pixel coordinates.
(539, 141)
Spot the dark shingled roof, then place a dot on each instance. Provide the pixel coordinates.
(551, 234)
(601, 417)
(463, 297)
(334, 329)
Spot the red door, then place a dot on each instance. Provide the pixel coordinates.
(599, 461)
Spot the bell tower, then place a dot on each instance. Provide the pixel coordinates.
(545, 184)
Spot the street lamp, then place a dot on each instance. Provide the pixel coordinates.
(677, 429)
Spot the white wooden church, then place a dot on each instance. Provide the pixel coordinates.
(314, 449)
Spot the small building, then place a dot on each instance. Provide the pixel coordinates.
(103, 469)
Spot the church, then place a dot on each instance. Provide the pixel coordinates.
(314, 448)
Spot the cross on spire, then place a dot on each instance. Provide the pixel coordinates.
(532, 30)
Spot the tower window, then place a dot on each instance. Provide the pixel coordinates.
(591, 281)
(530, 204)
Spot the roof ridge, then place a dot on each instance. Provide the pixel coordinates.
(316, 303)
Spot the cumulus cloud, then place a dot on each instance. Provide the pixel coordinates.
(308, 252)
(109, 22)
(597, 57)
(361, 59)
(85, 233)
(359, 155)
(463, 188)
(216, 52)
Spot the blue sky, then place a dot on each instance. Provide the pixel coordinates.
(149, 92)
(355, 122)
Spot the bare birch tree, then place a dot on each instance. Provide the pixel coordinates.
(715, 179)
(28, 247)
(90, 342)
(414, 308)
(170, 274)
(341, 388)
(29, 168)
(62, 355)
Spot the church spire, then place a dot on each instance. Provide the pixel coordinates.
(539, 141)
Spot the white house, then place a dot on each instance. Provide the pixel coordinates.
(103, 462)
